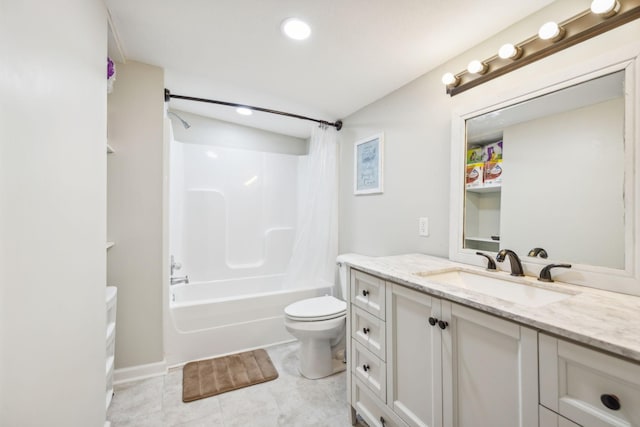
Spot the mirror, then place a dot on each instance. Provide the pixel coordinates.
(549, 172)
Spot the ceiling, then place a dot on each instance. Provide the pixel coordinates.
(359, 50)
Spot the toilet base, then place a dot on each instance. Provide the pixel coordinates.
(319, 360)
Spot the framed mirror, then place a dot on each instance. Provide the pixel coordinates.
(554, 169)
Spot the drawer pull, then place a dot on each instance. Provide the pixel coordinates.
(366, 367)
(365, 330)
(443, 324)
(365, 292)
(433, 321)
(610, 401)
(383, 422)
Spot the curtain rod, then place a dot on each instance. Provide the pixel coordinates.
(168, 95)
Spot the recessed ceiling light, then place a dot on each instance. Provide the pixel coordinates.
(244, 111)
(296, 29)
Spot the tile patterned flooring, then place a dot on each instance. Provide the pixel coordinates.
(288, 401)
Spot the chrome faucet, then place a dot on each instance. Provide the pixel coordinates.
(174, 265)
(516, 265)
(177, 280)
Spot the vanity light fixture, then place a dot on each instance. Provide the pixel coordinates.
(605, 8)
(551, 31)
(477, 67)
(509, 51)
(296, 29)
(244, 111)
(602, 16)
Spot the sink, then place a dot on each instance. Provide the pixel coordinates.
(498, 287)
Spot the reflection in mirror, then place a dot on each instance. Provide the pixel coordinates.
(549, 173)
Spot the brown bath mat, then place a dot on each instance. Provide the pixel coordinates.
(206, 378)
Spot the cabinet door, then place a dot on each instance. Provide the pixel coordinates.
(490, 370)
(414, 381)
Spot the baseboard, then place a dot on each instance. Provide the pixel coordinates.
(140, 372)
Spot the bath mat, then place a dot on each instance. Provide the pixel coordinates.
(206, 378)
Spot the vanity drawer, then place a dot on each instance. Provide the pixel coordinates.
(368, 330)
(369, 369)
(373, 411)
(368, 293)
(587, 386)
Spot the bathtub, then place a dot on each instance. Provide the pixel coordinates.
(207, 319)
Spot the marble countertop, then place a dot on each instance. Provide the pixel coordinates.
(605, 320)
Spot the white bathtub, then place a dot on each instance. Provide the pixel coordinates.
(227, 316)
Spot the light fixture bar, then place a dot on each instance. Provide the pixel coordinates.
(578, 28)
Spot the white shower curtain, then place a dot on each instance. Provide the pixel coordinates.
(316, 244)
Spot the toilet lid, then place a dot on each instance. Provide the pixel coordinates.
(320, 308)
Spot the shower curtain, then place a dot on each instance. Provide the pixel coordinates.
(316, 243)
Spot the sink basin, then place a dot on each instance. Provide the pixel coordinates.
(497, 287)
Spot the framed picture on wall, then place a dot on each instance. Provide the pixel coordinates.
(368, 165)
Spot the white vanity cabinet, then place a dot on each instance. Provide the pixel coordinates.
(588, 387)
(446, 365)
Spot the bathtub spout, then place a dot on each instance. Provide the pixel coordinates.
(176, 280)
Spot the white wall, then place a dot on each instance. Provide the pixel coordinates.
(135, 211)
(52, 212)
(416, 121)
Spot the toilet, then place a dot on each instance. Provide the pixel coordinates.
(320, 326)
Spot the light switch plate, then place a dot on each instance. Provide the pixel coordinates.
(423, 226)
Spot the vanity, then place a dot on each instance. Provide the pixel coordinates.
(426, 350)
(444, 342)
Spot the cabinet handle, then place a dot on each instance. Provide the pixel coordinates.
(611, 401)
(443, 324)
(365, 330)
(383, 422)
(366, 367)
(433, 321)
(365, 292)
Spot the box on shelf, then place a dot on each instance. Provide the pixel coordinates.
(476, 155)
(493, 151)
(474, 175)
(493, 173)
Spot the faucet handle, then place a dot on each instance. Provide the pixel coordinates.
(545, 273)
(491, 265)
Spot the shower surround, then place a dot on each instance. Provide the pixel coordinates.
(233, 219)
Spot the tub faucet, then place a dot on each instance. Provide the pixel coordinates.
(177, 280)
(516, 265)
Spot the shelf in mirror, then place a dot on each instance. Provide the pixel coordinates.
(492, 189)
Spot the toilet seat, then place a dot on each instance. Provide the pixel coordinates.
(316, 309)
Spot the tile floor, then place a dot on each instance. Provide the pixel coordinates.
(288, 401)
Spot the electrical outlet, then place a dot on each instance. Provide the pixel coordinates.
(423, 227)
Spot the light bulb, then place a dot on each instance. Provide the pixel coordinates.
(449, 79)
(244, 111)
(605, 8)
(509, 51)
(551, 31)
(296, 29)
(476, 67)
